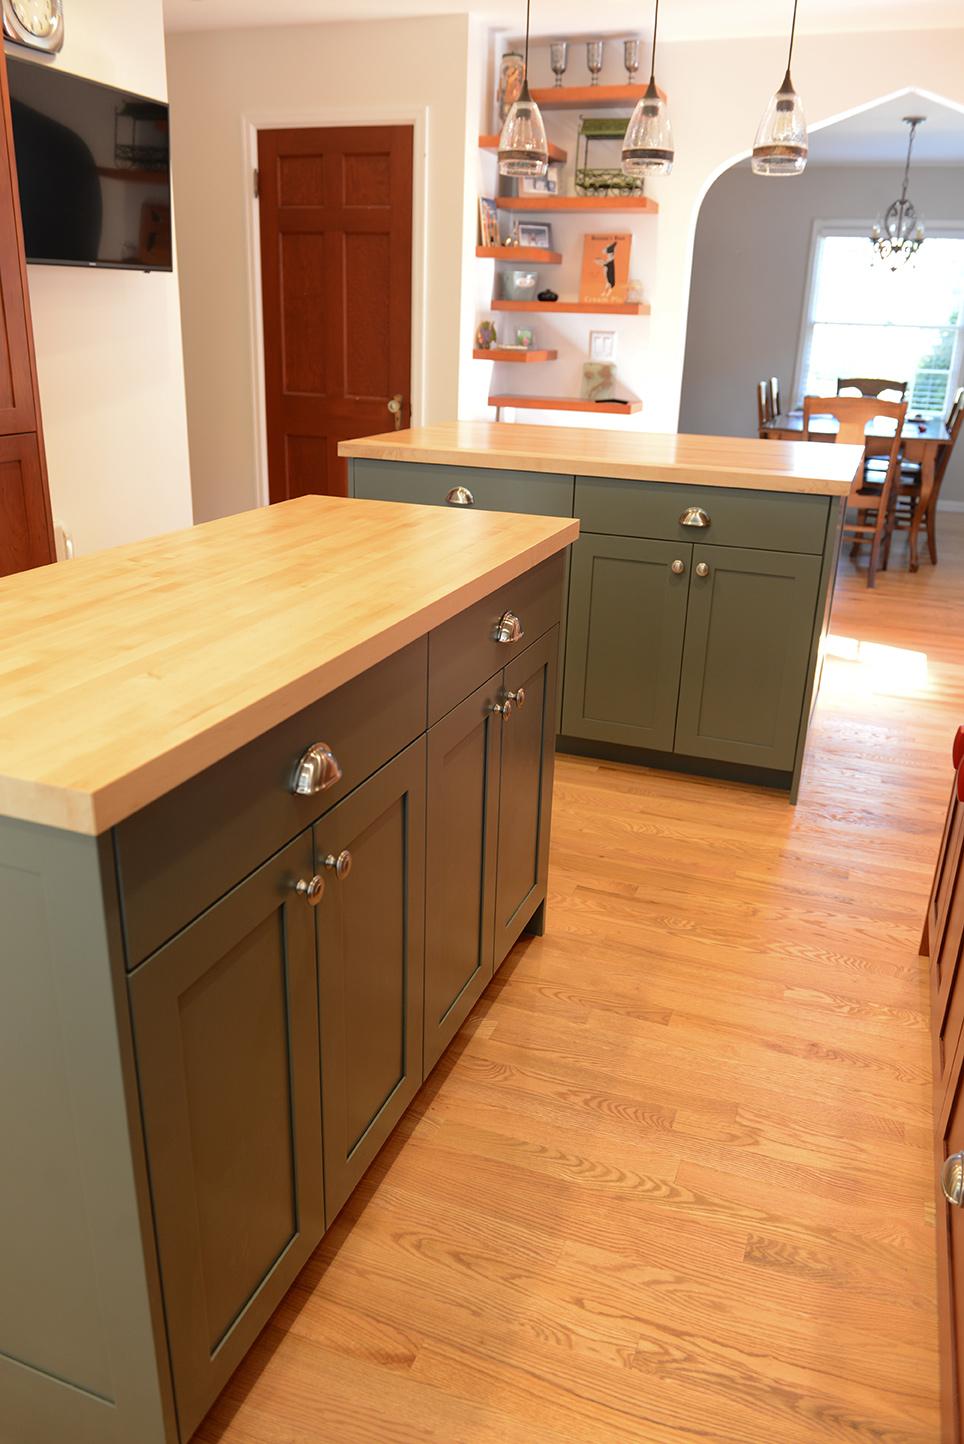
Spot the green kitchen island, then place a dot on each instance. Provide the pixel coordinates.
(699, 591)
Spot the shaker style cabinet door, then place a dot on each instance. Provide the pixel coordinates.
(525, 790)
(462, 820)
(627, 614)
(370, 849)
(225, 1025)
(950, 1254)
(748, 634)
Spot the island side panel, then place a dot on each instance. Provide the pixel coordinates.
(82, 1355)
(828, 581)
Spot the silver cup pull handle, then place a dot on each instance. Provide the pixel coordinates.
(694, 516)
(509, 629)
(460, 496)
(316, 770)
(952, 1179)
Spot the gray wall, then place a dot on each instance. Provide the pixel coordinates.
(750, 264)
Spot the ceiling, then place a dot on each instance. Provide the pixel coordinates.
(684, 19)
(878, 137)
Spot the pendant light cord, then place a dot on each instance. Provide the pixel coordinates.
(652, 68)
(526, 60)
(910, 146)
(793, 31)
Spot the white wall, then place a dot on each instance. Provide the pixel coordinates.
(109, 343)
(750, 272)
(347, 74)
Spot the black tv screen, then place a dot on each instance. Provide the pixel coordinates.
(93, 165)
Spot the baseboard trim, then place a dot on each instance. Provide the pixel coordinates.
(950, 505)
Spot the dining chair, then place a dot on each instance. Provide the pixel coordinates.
(871, 386)
(872, 502)
(775, 407)
(908, 491)
(763, 408)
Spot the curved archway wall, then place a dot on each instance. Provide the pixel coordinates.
(717, 91)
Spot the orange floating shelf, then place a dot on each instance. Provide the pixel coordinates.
(557, 156)
(589, 97)
(577, 203)
(513, 353)
(568, 403)
(531, 254)
(576, 308)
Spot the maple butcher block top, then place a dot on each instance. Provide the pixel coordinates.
(746, 463)
(125, 673)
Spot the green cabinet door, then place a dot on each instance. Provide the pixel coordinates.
(462, 820)
(627, 615)
(370, 927)
(525, 789)
(225, 1026)
(748, 634)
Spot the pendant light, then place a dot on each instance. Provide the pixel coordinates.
(780, 147)
(648, 142)
(899, 236)
(523, 148)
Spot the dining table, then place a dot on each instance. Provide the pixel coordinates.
(921, 440)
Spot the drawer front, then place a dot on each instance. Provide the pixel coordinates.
(464, 652)
(762, 519)
(184, 851)
(534, 492)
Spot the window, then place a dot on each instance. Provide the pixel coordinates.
(864, 320)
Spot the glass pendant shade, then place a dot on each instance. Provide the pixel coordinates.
(523, 148)
(648, 143)
(780, 147)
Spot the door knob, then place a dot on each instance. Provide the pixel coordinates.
(518, 697)
(460, 496)
(952, 1179)
(340, 865)
(702, 570)
(316, 770)
(678, 567)
(509, 628)
(395, 407)
(694, 516)
(311, 889)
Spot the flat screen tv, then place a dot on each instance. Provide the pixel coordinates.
(93, 165)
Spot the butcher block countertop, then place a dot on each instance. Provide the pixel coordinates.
(811, 467)
(125, 673)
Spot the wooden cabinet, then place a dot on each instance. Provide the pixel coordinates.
(627, 615)
(225, 1023)
(370, 926)
(749, 626)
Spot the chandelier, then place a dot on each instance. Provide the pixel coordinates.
(900, 235)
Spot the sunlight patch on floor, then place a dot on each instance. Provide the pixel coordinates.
(853, 668)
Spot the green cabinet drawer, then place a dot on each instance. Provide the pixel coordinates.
(535, 492)
(764, 519)
(181, 853)
(464, 652)
(627, 614)
(748, 633)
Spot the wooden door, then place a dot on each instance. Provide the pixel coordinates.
(25, 537)
(336, 272)
(225, 1025)
(627, 615)
(371, 934)
(525, 790)
(462, 839)
(748, 632)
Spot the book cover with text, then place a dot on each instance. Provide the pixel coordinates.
(605, 267)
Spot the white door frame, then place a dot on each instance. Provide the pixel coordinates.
(325, 117)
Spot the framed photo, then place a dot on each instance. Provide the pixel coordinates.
(525, 337)
(529, 234)
(488, 222)
(539, 185)
(605, 267)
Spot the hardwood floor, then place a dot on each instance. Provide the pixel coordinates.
(674, 1179)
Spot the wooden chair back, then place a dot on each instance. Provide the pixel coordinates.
(763, 414)
(775, 407)
(955, 417)
(871, 386)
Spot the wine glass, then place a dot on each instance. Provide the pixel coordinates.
(631, 59)
(558, 55)
(594, 59)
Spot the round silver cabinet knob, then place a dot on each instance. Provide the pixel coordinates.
(504, 708)
(678, 567)
(702, 570)
(340, 865)
(518, 697)
(311, 889)
(460, 496)
(952, 1179)
(509, 628)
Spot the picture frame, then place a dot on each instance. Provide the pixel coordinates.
(605, 267)
(525, 338)
(539, 185)
(488, 221)
(535, 234)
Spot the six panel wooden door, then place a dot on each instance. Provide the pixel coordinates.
(528, 756)
(748, 633)
(627, 615)
(336, 271)
(370, 927)
(463, 814)
(24, 511)
(226, 1030)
